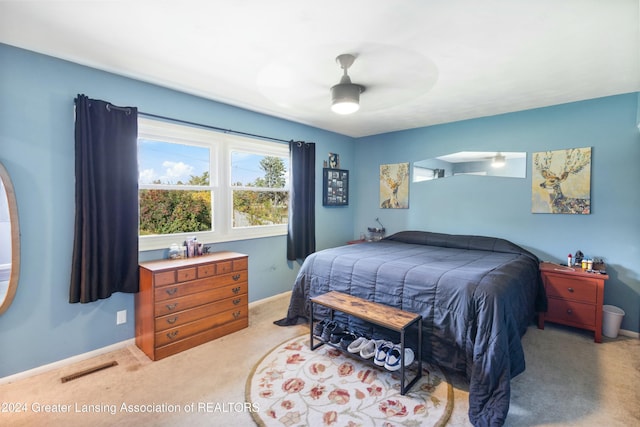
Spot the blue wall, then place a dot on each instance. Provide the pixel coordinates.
(501, 207)
(37, 148)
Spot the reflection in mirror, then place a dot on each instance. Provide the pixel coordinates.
(484, 163)
(9, 241)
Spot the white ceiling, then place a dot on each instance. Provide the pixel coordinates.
(423, 62)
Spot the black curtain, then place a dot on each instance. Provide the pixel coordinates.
(301, 236)
(105, 250)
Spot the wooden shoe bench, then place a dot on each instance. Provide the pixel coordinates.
(379, 314)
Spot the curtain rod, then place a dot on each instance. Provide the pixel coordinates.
(237, 132)
(156, 116)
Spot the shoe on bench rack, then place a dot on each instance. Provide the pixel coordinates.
(357, 345)
(369, 350)
(319, 327)
(337, 336)
(347, 339)
(330, 328)
(382, 350)
(393, 358)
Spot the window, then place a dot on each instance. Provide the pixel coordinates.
(175, 195)
(260, 189)
(214, 186)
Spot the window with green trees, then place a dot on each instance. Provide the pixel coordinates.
(173, 199)
(259, 199)
(218, 187)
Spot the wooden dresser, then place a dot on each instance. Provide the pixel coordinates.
(186, 302)
(575, 297)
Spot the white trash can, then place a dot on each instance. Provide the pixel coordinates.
(611, 320)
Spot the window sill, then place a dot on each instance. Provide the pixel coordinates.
(150, 243)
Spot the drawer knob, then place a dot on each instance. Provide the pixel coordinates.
(172, 320)
(172, 306)
(236, 289)
(171, 291)
(570, 289)
(569, 311)
(236, 314)
(171, 335)
(236, 277)
(237, 301)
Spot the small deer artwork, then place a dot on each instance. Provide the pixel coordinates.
(563, 183)
(394, 186)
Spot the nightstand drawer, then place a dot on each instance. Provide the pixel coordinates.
(571, 312)
(577, 289)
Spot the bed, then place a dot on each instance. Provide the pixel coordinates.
(477, 296)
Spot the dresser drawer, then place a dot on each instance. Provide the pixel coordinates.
(186, 274)
(164, 278)
(206, 270)
(185, 316)
(225, 267)
(199, 338)
(174, 305)
(228, 279)
(566, 287)
(571, 312)
(240, 264)
(232, 265)
(178, 290)
(191, 328)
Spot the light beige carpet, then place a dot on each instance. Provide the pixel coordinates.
(569, 381)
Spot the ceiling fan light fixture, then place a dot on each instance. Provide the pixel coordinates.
(345, 96)
(498, 161)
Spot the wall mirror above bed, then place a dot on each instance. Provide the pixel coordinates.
(509, 164)
(9, 241)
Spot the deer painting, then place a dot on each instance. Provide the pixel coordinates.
(564, 170)
(393, 177)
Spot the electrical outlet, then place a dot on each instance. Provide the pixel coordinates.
(121, 317)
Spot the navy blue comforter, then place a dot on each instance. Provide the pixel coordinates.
(477, 296)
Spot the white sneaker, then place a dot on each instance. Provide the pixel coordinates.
(382, 350)
(369, 349)
(393, 358)
(357, 345)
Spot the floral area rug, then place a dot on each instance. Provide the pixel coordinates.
(294, 386)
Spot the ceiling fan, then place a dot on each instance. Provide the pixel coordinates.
(345, 96)
(300, 81)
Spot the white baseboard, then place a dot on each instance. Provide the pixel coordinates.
(627, 333)
(66, 362)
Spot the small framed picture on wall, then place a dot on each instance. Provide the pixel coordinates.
(335, 187)
(334, 161)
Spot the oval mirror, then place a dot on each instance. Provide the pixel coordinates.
(9, 241)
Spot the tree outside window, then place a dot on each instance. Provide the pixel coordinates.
(263, 200)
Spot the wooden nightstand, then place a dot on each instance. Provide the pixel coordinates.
(355, 242)
(575, 297)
